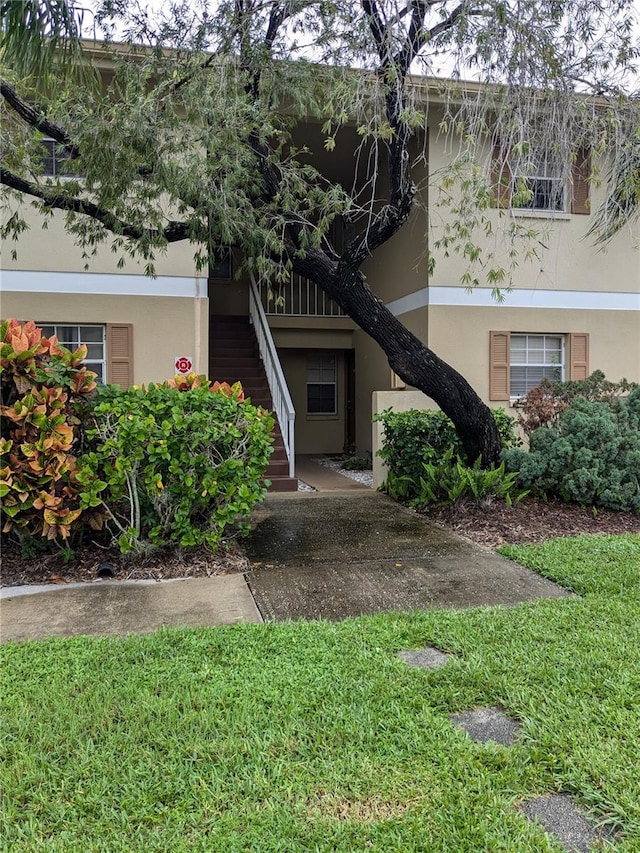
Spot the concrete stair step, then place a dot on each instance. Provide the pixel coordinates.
(275, 469)
(235, 358)
(283, 484)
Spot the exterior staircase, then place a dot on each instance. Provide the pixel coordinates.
(234, 357)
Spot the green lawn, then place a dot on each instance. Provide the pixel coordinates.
(316, 737)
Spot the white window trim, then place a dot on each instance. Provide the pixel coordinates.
(89, 362)
(562, 366)
(333, 413)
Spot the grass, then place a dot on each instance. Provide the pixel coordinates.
(316, 737)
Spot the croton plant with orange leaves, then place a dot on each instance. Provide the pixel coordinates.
(42, 388)
(195, 380)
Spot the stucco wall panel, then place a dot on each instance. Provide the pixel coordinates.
(460, 336)
(164, 327)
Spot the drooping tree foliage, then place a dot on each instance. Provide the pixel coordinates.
(191, 134)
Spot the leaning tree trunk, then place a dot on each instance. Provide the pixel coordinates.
(414, 363)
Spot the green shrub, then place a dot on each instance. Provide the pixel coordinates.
(449, 479)
(418, 437)
(44, 390)
(356, 463)
(183, 464)
(592, 455)
(543, 405)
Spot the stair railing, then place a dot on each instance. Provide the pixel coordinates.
(282, 404)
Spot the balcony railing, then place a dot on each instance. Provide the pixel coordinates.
(298, 297)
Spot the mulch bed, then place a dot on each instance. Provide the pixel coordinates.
(491, 524)
(159, 564)
(530, 521)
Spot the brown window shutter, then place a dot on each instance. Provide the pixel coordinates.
(579, 354)
(499, 347)
(580, 174)
(501, 177)
(120, 354)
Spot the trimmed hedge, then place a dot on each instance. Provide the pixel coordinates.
(421, 436)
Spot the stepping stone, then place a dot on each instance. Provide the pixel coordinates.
(487, 724)
(426, 658)
(561, 818)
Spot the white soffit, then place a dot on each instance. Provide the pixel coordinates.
(480, 297)
(106, 284)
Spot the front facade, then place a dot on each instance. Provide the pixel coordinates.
(572, 310)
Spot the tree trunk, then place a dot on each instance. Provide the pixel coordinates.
(413, 362)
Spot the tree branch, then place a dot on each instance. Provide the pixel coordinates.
(377, 27)
(34, 116)
(443, 26)
(174, 232)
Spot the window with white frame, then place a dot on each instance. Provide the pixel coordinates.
(72, 336)
(55, 159)
(538, 182)
(321, 384)
(534, 358)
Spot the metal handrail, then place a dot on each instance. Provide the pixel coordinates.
(282, 403)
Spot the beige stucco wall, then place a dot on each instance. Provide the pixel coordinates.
(314, 433)
(298, 337)
(460, 335)
(163, 327)
(567, 258)
(374, 374)
(53, 249)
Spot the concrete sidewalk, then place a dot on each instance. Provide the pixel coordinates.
(125, 607)
(314, 555)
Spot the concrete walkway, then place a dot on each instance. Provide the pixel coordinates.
(325, 479)
(314, 555)
(333, 556)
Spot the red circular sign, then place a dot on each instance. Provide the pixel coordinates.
(183, 364)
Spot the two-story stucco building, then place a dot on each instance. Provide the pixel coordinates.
(572, 309)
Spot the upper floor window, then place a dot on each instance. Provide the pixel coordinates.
(73, 336)
(538, 180)
(538, 183)
(56, 162)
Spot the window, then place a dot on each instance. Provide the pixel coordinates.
(56, 161)
(519, 361)
(321, 384)
(535, 181)
(538, 183)
(72, 337)
(220, 266)
(534, 358)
